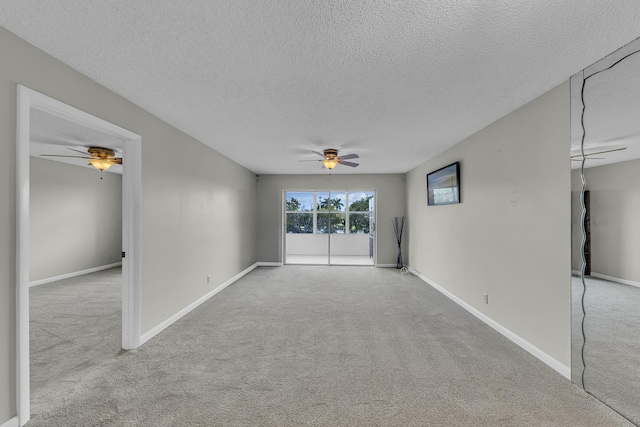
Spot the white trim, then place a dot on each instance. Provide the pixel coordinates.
(283, 229)
(52, 106)
(387, 265)
(615, 279)
(269, 264)
(23, 138)
(74, 274)
(27, 99)
(558, 366)
(13, 422)
(171, 320)
(575, 272)
(131, 243)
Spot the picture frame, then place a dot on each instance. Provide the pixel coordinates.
(443, 185)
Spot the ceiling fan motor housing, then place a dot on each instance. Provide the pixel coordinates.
(101, 153)
(330, 153)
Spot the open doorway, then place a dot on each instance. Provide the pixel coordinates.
(32, 109)
(329, 227)
(75, 274)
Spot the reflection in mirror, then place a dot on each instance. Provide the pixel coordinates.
(605, 154)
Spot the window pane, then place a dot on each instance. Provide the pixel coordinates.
(299, 201)
(299, 223)
(337, 223)
(338, 202)
(323, 223)
(359, 223)
(322, 202)
(359, 201)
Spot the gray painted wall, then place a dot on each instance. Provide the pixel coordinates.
(390, 202)
(615, 223)
(510, 236)
(198, 207)
(76, 218)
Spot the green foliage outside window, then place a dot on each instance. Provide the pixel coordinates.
(358, 219)
(300, 223)
(325, 203)
(361, 205)
(359, 223)
(293, 205)
(338, 221)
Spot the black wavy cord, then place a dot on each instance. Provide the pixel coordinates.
(582, 217)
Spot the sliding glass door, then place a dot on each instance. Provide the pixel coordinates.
(329, 227)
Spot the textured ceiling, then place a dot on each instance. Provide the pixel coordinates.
(264, 83)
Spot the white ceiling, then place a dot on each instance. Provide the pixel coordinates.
(264, 83)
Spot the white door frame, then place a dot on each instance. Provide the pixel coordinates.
(131, 196)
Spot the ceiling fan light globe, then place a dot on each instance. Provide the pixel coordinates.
(101, 164)
(330, 163)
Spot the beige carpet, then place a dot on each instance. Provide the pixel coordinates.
(294, 346)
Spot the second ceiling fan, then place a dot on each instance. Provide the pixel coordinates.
(101, 158)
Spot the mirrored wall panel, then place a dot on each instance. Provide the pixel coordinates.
(605, 158)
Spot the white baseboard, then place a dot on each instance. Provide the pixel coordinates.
(615, 279)
(171, 320)
(13, 422)
(561, 368)
(74, 274)
(575, 272)
(387, 265)
(269, 264)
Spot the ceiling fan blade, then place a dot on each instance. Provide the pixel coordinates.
(349, 156)
(600, 152)
(318, 153)
(77, 151)
(61, 155)
(353, 165)
(309, 160)
(116, 160)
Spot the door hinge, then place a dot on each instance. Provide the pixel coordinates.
(123, 254)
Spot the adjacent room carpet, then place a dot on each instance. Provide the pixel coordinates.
(293, 346)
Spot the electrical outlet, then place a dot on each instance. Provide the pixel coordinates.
(208, 279)
(485, 297)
